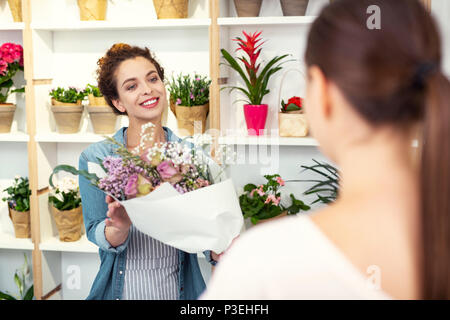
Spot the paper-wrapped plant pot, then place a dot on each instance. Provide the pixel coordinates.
(171, 9)
(292, 124)
(16, 9)
(92, 9)
(6, 116)
(67, 115)
(189, 117)
(69, 223)
(21, 222)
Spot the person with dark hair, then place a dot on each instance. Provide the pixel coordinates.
(370, 94)
(134, 266)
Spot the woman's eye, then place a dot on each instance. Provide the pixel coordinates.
(131, 87)
(154, 79)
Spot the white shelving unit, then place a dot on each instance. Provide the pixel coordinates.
(14, 137)
(9, 241)
(11, 26)
(266, 21)
(267, 140)
(83, 245)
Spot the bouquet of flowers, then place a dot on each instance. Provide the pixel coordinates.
(11, 61)
(154, 182)
(264, 201)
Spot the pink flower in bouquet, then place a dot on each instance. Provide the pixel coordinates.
(143, 186)
(166, 170)
(202, 183)
(131, 187)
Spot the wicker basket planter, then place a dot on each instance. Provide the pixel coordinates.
(292, 124)
(16, 9)
(6, 116)
(67, 115)
(69, 223)
(190, 117)
(92, 9)
(171, 9)
(21, 222)
(247, 8)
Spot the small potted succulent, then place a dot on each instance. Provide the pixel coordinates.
(255, 111)
(102, 115)
(11, 61)
(189, 101)
(291, 120)
(66, 209)
(19, 206)
(263, 203)
(92, 9)
(67, 108)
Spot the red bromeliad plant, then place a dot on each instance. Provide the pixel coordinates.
(256, 83)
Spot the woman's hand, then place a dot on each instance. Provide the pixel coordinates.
(216, 257)
(118, 224)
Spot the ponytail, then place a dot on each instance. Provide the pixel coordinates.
(435, 189)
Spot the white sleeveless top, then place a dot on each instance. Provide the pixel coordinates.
(289, 259)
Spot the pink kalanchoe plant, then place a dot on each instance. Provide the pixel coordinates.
(11, 61)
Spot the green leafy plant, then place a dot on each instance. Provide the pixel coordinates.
(264, 201)
(11, 61)
(256, 84)
(19, 194)
(94, 90)
(69, 95)
(20, 277)
(326, 189)
(187, 90)
(66, 195)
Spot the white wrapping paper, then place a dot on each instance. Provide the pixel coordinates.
(208, 218)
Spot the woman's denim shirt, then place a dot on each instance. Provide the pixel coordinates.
(109, 281)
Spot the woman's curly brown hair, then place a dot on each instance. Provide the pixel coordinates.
(108, 64)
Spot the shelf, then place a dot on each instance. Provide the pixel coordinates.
(12, 26)
(14, 137)
(108, 25)
(267, 140)
(265, 21)
(9, 241)
(72, 137)
(82, 245)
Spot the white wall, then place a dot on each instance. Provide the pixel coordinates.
(441, 11)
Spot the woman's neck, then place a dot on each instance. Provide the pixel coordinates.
(134, 133)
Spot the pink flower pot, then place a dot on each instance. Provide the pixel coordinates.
(255, 117)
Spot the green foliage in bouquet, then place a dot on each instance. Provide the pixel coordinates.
(94, 90)
(66, 196)
(187, 90)
(19, 194)
(256, 84)
(20, 277)
(69, 95)
(264, 201)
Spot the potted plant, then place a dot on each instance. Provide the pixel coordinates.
(247, 8)
(256, 84)
(189, 101)
(19, 206)
(11, 61)
(171, 9)
(20, 279)
(16, 9)
(102, 116)
(67, 108)
(92, 9)
(291, 120)
(65, 204)
(294, 7)
(263, 202)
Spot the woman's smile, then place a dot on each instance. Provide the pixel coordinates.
(150, 103)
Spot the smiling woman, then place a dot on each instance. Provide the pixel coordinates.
(133, 265)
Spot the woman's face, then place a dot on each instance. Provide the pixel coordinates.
(142, 94)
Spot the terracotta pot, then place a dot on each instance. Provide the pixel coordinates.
(69, 223)
(16, 9)
(103, 119)
(92, 9)
(21, 222)
(188, 118)
(292, 124)
(171, 9)
(96, 101)
(6, 116)
(255, 117)
(294, 7)
(247, 8)
(67, 116)
(281, 215)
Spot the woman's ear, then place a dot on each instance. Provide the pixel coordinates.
(118, 105)
(321, 91)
